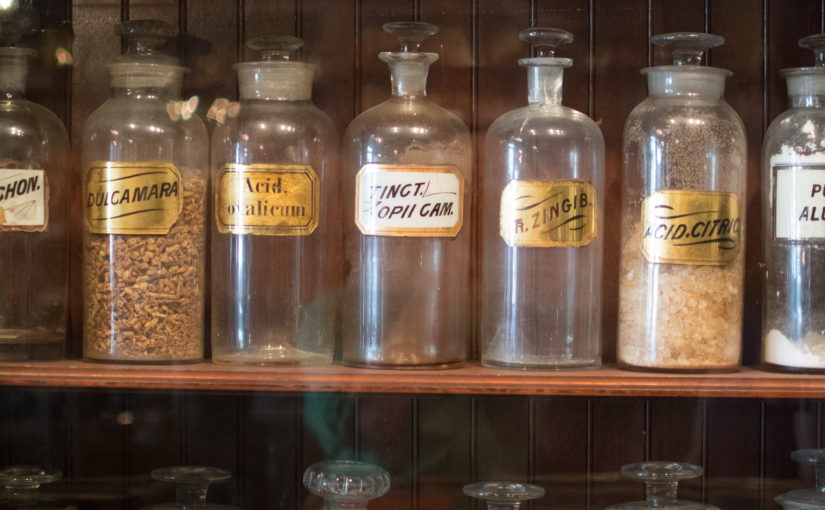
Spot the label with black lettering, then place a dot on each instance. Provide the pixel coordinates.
(409, 200)
(23, 200)
(262, 199)
(691, 227)
(547, 214)
(132, 198)
(799, 202)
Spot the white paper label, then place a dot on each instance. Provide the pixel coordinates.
(799, 199)
(22, 199)
(409, 200)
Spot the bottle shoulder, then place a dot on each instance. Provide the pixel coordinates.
(661, 118)
(555, 123)
(268, 120)
(120, 116)
(403, 117)
(31, 119)
(798, 131)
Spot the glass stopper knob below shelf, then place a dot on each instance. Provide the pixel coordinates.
(346, 482)
(191, 483)
(503, 495)
(21, 478)
(661, 479)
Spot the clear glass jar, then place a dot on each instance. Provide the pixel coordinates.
(191, 484)
(543, 186)
(346, 484)
(276, 249)
(145, 157)
(811, 498)
(34, 212)
(407, 178)
(793, 211)
(683, 218)
(661, 481)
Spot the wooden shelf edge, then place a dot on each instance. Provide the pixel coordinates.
(470, 380)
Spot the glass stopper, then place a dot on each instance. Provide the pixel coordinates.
(275, 48)
(661, 479)
(501, 495)
(145, 37)
(815, 457)
(27, 477)
(545, 40)
(410, 33)
(346, 481)
(815, 43)
(191, 482)
(688, 47)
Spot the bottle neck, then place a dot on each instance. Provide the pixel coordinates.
(408, 71)
(13, 78)
(190, 496)
(660, 493)
(544, 84)
(142, 90)
(806, 101)
(339, 504)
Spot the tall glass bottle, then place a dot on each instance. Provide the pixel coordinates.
(683, 218)
(144, 179)
(793, 213)
(407, 180)
(34, 214)
(276, 253)
(542, 246)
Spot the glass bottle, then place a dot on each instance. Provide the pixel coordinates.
(407, 178)
(543, 186)
(276, 251)
(34, 213)
(21, 486)
(661, 483)
(793, 207)
(191, 484)
(503, 495)
(144, 200)
(812, 497)
(683, 218)
(346, 484)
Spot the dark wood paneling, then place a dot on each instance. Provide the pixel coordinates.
(740, 21)
(677, 434)
(618, 436)
(393, 452)
(503, 431)
(269, 453)
(560, 452)
(442, 454)
(620, 50)
(735, 453)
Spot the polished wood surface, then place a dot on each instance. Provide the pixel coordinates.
(470, 380)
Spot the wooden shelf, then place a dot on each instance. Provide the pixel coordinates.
(472, 379)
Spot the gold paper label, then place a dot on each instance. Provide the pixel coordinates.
(132, 198)
(691, 227)
(24, 200)
(274, 200)
(409, 200)
(546, 214)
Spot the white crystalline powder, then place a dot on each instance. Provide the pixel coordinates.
(779, 350)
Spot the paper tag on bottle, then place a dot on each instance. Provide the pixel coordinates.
(132, 198)
(409, 200)
(275, 200)
(548, 214)
(691, 227)
(23, 200)
(799, 202)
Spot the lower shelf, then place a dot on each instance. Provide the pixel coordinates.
(472, 380)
